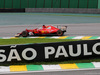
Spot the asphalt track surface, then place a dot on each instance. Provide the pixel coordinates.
(78, 24)
(84, 29)
(47, 18)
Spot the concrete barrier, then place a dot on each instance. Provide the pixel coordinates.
(63, 10)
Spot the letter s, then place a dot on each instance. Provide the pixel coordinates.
(2, 56)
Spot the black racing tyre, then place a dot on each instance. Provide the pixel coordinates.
(24, 33)
(59, 33)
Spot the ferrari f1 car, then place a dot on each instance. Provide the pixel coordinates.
(44, 30)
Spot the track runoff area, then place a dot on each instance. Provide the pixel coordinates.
(79, 25)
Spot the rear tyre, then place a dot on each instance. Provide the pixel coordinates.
(24, 34)
(59, 33)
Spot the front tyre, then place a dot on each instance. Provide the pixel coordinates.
(24, 34)
(59, 33)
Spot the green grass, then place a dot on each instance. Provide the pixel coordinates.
(30, 40)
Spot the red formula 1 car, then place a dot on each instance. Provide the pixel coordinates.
(44, 30)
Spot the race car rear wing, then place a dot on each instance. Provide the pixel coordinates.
(63, 28)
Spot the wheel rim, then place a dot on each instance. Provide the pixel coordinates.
(24, 33)
(59, 33)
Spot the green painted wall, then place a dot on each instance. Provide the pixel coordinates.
(93, 4)
(16, 4)
(32, 3)
(99, 4)
(40, 4)
(64, 3)
(56, 3)
(1, 3)
(24, 3)
(83, 4)
(48, 3)
(8, 4)
(73, 4)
